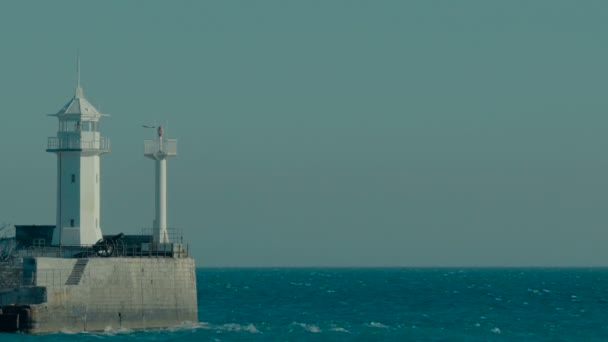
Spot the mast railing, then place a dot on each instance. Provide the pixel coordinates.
(165, 146)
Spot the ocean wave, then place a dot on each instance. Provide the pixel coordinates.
(308, 327)
(230, 327)
(377, 325)
(339, 329)
(110, 331)
(69, 332)
(185, 326)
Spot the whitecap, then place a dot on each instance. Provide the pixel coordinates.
(68, 332)
(495, 330)
(230, 327)
(377, 325)
(339, 329)
(238, 327)
(308, 327)
(205, 325)
(187, 325)
(110, 331)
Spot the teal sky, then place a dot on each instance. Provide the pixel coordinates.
(327, 133)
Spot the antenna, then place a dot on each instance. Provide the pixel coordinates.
(78, 68)
(79, 92)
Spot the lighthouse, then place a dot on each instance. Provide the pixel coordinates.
(78, 146)
(160, 150)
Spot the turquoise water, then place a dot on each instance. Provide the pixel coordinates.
(386, 305)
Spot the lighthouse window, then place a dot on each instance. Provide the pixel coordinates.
(73, 178)
(68, 126)
(89, 126)
(72, 222)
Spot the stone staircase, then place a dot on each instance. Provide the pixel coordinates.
(77, 272)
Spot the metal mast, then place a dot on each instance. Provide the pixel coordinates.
(160, 150)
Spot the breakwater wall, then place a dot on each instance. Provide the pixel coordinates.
(95, 294)
(11, 274)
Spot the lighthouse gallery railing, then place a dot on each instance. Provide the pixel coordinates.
(72, 143)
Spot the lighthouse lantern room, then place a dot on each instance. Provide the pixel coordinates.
(78, 146)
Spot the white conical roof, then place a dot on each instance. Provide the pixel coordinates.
(79, 105)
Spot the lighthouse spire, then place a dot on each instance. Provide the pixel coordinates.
(79, 92)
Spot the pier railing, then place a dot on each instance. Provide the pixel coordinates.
(146, 250)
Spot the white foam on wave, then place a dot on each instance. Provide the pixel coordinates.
(187, 326)
(69, 332)
(238, 327)
(110, 331)
(230, 327)
(337, 328)
(377, 325)
(308, 327)
(496, 330)
(107, 331)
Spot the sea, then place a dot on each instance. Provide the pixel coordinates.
(384, 304)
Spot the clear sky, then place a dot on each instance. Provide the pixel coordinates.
(327, 133)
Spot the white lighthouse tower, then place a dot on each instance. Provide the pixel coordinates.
(78, 145)
(160, 150)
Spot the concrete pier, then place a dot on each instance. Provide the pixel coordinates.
(95, 294)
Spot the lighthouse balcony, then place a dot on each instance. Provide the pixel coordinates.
(67, 144)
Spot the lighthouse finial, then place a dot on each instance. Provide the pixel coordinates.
(79, 92)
